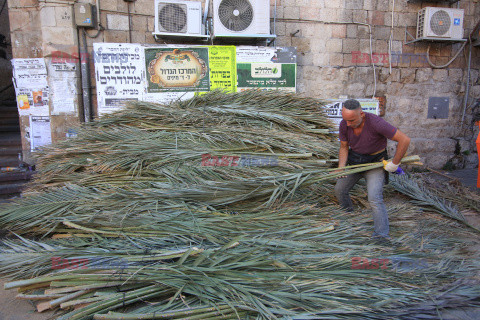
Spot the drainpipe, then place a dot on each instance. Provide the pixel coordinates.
(85, 72)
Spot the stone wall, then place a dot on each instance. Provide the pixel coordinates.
(336, 41)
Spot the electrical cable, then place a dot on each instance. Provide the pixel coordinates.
(448, 63)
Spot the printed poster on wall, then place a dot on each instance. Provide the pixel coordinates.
(31, 87)
(266, 68)
(40, 132)
(223, 70)
(62, 80)
(119, 73)
(177, 69)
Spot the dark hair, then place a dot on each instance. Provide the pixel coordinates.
(352, 104)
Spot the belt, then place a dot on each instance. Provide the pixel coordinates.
(372, 154)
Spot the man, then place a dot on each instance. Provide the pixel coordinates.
(363, 139)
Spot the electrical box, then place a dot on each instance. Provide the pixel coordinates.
(84, 15)
(438, 107)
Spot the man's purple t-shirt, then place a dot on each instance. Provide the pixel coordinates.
(373, 137)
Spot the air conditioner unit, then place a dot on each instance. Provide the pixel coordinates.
(435, 23)
(178, 18)
(241, 17)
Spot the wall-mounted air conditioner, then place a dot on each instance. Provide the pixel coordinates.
(241, 17)
(435, 23)
(178, 18)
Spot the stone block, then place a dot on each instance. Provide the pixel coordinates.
(122, 6)
(360, 16)
(139, 23)
(289, 3)
(335, 4)
(64, 17)
(348, 60)
(302, 44)
(376, 18)
(394, 89)
(117, 22)
(308, 30)
(336, 59)
(424, 75)
(381, 33)
(386, 77)
(17, 19)
(350, 45)
(352, 30)
(320, 59)
(339, 31)
(138, 37)
(455, 75)
(329, 15)
(318, 46)
(356, 90)
(276, 13)
(363, 32)
(47, 17)
(383, 5)
(59, 35)
(310, 72)
(291, 13)
(116, 36)
(146, 7)
(354, 4)
(112, 5)
(407, 75)
(381, 47)
(334, 45)
(304, 59)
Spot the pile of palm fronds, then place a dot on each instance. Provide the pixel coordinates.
(145, 216)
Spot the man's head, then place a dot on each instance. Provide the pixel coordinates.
(352, 113)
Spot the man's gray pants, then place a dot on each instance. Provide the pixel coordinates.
(375, 181)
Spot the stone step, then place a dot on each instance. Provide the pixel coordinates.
(12, 188)
(10, 128)
(20, 176)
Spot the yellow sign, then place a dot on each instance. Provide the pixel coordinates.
(223, 68)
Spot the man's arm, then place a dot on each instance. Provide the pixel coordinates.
(343, 154)
(402, 146)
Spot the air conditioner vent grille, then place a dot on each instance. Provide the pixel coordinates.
(235, 15)
(173, 17)
(440, 22)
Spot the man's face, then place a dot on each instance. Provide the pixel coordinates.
(354, 118)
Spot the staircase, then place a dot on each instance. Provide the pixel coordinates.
(13, 174)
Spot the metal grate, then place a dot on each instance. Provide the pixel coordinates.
(440, 22)
(235, 15)
(172, 17)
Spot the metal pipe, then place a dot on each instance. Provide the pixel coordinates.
(85, 72)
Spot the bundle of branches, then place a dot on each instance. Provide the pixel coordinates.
(218, 207)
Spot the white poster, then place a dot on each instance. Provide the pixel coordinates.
(40, 132)
(119, 74)
(31, 86)
(63, 78)
(255, 54)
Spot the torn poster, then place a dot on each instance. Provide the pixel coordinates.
(31, 86)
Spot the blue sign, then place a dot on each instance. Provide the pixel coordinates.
(456, 21)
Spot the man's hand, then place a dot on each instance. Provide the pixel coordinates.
(390, 166)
